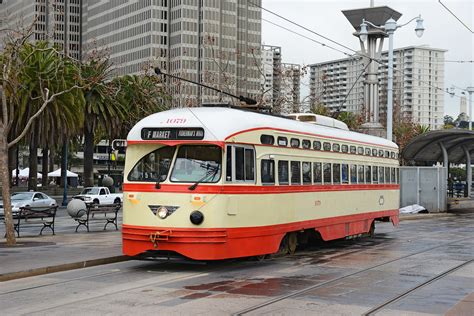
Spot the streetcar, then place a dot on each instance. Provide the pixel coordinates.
(213, 183)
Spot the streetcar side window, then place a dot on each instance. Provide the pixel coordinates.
(228, 162)
(345, 148)
(327, 146)
(306, 172)
(306, 144)
(374, 152)
(336, 173)
(367, 151)
(375, 174)
(282, 141)
(295, 172)
(268, 171)
(283, 172)
(361, 174)
(397, 175)
(387, 175)
(244, 159)
(345, 173)
(368, 174)
(317, 145)
(380, 153)
(394, 180)
(295, 143)
(327, 173)
(353, 173)
(335, 147)
(267, 139)
(381, 175)
(317, 177)
(360, 150)
(352, 149)
(387, 154)
(392, 155)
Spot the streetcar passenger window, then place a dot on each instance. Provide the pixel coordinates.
(397, 175)
(361, 174)
(268, 171)
(387, 154)
(344, 173)
(228, 173)
(295, 143)
(327, 173)
(387, 175)
(381, 175)
(360, 150)
(317, 178)
(244, 164)
(393, 170)
(154, 166)
(197, 163)
(380, 153)
(327, 146)
(336, 173)
(267, 139)
(306, 172)
(335, 147)
(317, 145)
(295, 172)
(367, 151)
(368, 174)
(249, 165)
(352, 149)
(282, 141)
(306, 144)
(375, 174)
(283, 172)
(374, 152)
(345, 148)
(392, 155)
(353, 173)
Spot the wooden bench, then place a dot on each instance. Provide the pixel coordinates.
(27, 216)
(94, 213)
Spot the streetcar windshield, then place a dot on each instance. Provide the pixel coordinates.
(154, 166)
(197, 164)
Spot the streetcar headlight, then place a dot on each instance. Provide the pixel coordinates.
(162, 212)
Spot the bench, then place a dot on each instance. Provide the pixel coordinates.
(27, 216)
(94, 212)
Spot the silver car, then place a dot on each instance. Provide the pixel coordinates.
(30, 199)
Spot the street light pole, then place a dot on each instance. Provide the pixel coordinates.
(390, 27)
(470, 90)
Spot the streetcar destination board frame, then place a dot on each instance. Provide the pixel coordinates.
(172, 133)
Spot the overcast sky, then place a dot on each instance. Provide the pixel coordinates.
(442, 30)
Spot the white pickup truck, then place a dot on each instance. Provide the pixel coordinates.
(99, 195)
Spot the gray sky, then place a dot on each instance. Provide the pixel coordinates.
(442, 30)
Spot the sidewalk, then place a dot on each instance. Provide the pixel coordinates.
(35, 255)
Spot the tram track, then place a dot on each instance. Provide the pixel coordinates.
(375, 309)
(328, 282)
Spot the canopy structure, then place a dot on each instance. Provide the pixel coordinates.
(25, 173)
(57, 174)
(449, 145)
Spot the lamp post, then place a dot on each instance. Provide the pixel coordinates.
(470, 90)
(390, 27)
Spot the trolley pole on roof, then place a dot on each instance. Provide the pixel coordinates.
(246, 100)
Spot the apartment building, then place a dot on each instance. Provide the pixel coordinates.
(56, 20)
(270, 78)
(213, 42)
(418, 85)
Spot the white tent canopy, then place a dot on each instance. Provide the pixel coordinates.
(25, 173)
(57, 174)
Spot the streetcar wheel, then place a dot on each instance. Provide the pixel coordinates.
(292, 242)
(372, 230)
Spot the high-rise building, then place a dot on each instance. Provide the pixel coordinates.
(216, 43)
(270, 79)
(417, 87)
(290, 88)
(56, 20)
(463, 105)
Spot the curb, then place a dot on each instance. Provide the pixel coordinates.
(423, 216)
(62, 267)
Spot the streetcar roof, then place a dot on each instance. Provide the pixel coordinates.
(219, 124)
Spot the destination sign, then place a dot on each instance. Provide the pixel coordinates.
(152, 133)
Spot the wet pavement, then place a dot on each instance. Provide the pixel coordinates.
(422, 267)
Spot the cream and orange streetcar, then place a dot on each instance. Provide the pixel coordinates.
(213, 183)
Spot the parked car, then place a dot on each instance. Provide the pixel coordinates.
(99, 195)
(29, 199)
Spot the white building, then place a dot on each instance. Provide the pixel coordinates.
(55, 20)
(290, 88)
(418, 85)
(216, 43)
(270, 79)
(463, 105)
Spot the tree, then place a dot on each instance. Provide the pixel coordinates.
(19, 105)
(405, 131)
(352, 120)
(320, 109)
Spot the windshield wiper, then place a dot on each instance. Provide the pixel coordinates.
(208, 174)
